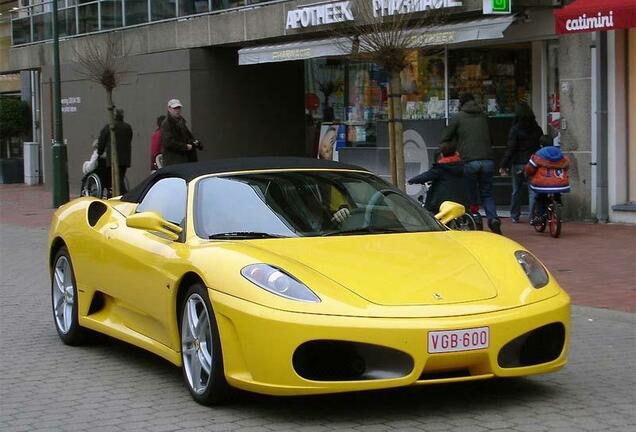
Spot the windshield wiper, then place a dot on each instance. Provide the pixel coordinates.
(365, 230)
(244, 235)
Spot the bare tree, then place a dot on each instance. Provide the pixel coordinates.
(385, 38)
(101, 60)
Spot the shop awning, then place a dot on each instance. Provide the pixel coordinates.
(295, 51)
(446, 34)
(595, 15)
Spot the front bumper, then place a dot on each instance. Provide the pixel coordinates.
(259, 344)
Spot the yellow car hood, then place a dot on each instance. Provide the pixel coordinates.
(393, 269)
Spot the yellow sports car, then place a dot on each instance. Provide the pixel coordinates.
(291, 276)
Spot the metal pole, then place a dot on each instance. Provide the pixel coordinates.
(60, 165)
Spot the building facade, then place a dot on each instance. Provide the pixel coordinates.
(268, 78)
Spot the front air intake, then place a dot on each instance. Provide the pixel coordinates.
(540, 345)
(329, 360)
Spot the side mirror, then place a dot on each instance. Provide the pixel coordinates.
(448, 211)
(152, 221)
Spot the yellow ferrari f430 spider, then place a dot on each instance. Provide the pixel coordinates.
(291, 276)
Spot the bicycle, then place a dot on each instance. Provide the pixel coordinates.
(552, 217)
(466, 222)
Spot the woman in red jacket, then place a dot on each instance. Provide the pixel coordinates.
(155, 145)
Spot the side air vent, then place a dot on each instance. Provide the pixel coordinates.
(95, 211)
(540, 345)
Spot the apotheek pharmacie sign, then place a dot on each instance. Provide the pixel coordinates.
(330, 13)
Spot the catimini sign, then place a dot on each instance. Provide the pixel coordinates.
(584, 22)
(319, 14)
(595, 15)
(395, 7)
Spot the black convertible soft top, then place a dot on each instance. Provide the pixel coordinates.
(189, 171)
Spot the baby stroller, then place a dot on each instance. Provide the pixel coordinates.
(96, 179)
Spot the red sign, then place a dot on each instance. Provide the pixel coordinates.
(595, 15)
(312, 102)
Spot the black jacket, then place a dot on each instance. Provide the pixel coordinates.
(448, 184)
(175, 137)
(123, 135)
(469, 130)
(523, 141)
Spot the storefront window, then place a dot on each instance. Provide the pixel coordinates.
(162, 9)
(136, 12)
(367, 102)
(111, 14)
(554, 104)
(423, 86)
(324, 84)
(497, 77)
(87, 14)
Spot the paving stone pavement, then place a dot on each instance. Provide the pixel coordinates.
(111, 386)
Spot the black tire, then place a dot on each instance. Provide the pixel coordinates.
(215, 390)
(92, 186)
(70, 332)
(555, 221)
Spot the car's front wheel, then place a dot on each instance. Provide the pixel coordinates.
(201, 348)
(64, 299)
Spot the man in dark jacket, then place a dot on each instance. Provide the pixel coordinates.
(469, 129)
(447, 177)
(123, 137)
(523, 141)
(177, 142)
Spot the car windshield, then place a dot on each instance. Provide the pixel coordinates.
(304, 204)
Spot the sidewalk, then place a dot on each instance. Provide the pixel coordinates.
(595, 263)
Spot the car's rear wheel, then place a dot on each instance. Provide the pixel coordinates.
(64, 300)
(201, 348)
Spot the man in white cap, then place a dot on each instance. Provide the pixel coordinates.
(178, 145)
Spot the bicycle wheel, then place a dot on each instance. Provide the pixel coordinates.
(555, 220)
(463, 223)
(92, 186)
(541, 224)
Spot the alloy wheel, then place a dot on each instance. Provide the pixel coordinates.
(63, 294)
(196, 343)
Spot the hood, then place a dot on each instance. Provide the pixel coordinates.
(454, 168)
(472, 107)
(393, 269)
(551, 153)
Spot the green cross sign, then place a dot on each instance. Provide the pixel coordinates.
(497, 6)
(501, 6)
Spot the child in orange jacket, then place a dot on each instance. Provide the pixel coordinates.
(547, 172)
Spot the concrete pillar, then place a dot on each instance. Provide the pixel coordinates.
(575, 84)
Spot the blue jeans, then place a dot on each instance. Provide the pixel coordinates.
(518, 180)
(478, 176)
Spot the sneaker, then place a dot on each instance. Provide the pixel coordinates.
(514, 220)
(495, 225)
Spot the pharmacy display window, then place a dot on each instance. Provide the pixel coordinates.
(498, 77)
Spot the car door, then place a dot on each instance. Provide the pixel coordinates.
(145, 264)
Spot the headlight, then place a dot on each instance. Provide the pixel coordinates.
(533, 268)
(278, 282)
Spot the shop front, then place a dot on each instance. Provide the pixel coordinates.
(501, 60)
